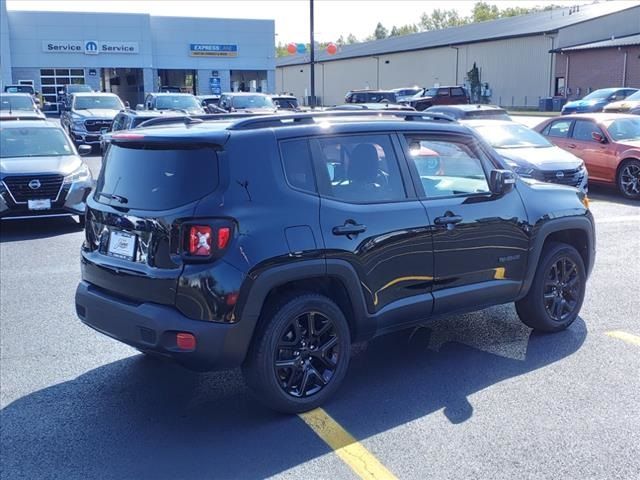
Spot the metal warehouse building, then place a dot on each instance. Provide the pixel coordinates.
(130, 54)
(518, 57)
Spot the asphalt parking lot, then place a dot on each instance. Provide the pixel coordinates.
(472, 396)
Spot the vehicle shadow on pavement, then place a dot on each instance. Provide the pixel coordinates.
(19, 230)
(610, 194)
(145, 418)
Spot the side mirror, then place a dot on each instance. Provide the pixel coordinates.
(139, 106)
(127, 105)
(502, 181)
(84, 150)
(598, 137)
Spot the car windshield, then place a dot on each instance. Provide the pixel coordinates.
(511, 136)
(16, 103)
(98, 102)
(430, 92)
(624, 129)
(33, 142)
(79, 88)
(603, 93)
(635, 96)
(177, 102)
(20, 89)
(252, 101)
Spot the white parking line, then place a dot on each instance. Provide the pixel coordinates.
(620, 219)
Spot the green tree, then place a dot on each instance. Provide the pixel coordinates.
(351, 38)
(403, 30)
(380, 32)
(482, 11)
(439, 19)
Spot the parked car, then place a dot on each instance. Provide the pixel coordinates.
(609, 144)
(64, 94)
(273, 242)
(19, 106)
(405, 94)
(184, 102)
(467, 112)
(530, 155)
(41, 172)
(247, 102)
(25, 89)
(597, 100)
(429, 97)
(370, 96)
(129, 119)
(286, 102)
(372, 106)
(88, 114)
(631, 104)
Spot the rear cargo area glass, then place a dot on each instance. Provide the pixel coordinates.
(145, 178)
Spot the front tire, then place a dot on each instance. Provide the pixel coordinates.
(628, 179)
(557, 292)
(300, 353)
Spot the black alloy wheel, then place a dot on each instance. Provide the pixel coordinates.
(562, 289)
(629, 179)
(307, 354)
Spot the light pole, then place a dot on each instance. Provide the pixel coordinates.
(312, 102)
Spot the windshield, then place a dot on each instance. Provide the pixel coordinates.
(98, 103)
(431, 92)
(511, 136)
(177, 102)
(635, 96)
(33, 142)
(16, 103)
(604, 93)
(252, 101)
(624, 129)
(20, 89)
(79, 88)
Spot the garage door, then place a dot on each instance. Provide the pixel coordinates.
(52, 80)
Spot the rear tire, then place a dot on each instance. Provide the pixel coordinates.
(557, 292)
(628, 179)
(300, 353)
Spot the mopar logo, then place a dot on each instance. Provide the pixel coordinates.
(91, 47)
(34, 184)
(559, 174)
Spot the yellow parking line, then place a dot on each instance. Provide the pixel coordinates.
(627, 337)
(358, 458)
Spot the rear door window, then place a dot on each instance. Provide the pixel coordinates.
(148, 178)
(558, 129)
(443, 92)
(298, 167)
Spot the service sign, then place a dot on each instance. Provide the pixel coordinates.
(213, 50)
(89, 47)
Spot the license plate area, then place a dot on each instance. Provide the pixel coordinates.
(122, 245)
(43, 204)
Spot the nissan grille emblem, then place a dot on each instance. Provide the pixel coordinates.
(559, 174)
(35, 184)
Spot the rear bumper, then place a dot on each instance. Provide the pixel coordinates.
(153, 327)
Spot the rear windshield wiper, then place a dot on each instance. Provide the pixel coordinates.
(111, 196)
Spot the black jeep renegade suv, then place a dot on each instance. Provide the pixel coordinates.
(274, 242)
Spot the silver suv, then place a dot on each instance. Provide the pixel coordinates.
(88, 114)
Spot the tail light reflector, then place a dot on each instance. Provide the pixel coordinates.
(185, 341)
(224, 234)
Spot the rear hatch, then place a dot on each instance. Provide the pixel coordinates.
(143, 196)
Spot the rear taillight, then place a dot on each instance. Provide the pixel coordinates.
(204, 241)
(200, 239)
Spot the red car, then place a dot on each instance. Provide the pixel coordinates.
(608, 143)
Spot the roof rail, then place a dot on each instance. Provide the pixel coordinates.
(266, 121)
(192, 119)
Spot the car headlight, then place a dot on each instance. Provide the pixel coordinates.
(78, 124)
(519, 169)
(82, 174)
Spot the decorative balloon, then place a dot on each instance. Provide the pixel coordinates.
(301, 48)
(291, 48)
(332, 49)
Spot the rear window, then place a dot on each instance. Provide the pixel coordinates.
(493, 114)
(148, 178)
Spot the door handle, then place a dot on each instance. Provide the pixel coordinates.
(448, 219)
(350, 229)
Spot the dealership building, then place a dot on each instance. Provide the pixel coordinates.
(132, 54)
(564, 51)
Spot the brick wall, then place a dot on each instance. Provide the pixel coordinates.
(599, 68)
